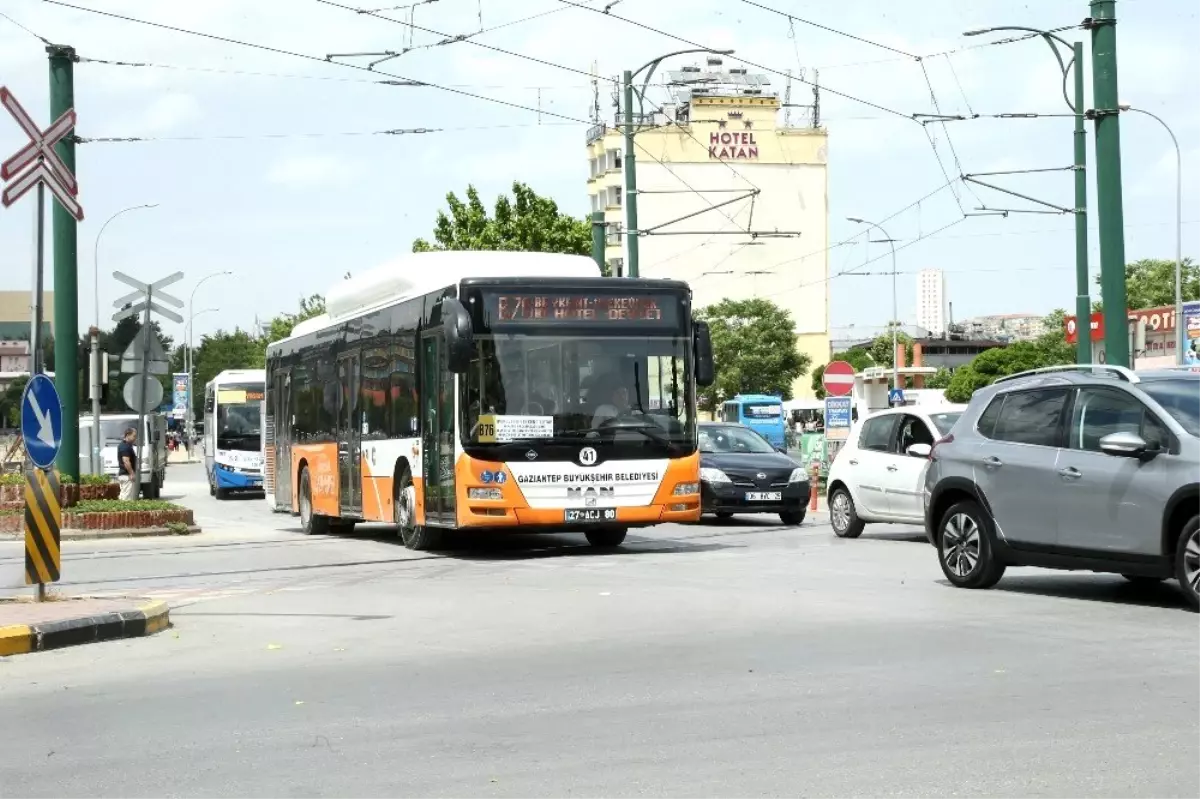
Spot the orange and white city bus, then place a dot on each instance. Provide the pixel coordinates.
(489, 390)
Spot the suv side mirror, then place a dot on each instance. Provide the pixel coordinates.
(460, 337)
(705, 369)
(1126, 445)
(919, 450)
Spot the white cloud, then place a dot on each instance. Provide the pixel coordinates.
(169, 113)
(308, 171)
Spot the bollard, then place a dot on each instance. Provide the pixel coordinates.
(814, 485)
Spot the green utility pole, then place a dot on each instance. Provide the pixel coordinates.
(630, 162)
(66, 270)
(1111, 215)
(598, 239)
(1083, 302)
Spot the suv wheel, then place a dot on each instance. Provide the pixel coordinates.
(842, 515)
(1187, 561)
(965, 547)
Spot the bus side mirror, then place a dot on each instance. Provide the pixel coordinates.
(460, 338)
(705, 370)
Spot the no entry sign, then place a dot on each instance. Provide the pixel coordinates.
(838, 379)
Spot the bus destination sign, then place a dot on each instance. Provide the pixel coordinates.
(636, 309)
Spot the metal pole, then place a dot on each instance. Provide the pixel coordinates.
(36, 364)
(66, 270)
(96, 379)
(895, 316)
(1083, 300)
(630, 163)
(1110, 211)
(143, 379)
(598, 240)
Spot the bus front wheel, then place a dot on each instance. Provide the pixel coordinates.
(415, 536)
(310, 522)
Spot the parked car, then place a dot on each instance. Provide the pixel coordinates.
(1090, 468)
(878, 474)
(740, 472)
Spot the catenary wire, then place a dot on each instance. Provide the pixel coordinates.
(35, 35)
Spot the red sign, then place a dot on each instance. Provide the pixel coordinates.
(1158, 320)
(838, 379)
(47, 167)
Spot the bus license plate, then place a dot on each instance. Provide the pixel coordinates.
(591, 515)
(764, 496)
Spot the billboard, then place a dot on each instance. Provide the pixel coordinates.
(179, 394)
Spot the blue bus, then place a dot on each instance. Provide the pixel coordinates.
(760, 412)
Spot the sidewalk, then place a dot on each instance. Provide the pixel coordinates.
(28, 626)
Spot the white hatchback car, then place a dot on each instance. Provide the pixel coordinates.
(878, 475)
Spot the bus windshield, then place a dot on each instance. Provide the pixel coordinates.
(762, 410)
(239, 417)
(608, 389)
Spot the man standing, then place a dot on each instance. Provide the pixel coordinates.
(127, 465)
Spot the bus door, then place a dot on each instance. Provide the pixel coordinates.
(436, 390)
(349, 438)
(281, 467)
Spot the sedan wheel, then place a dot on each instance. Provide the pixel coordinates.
(842, 515)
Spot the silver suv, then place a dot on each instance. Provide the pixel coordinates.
(1084, 467)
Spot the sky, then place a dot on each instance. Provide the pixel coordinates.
(272, 165)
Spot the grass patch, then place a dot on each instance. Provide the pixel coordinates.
(12, 479)
(10, 512)
(123, 505)
(95, 480)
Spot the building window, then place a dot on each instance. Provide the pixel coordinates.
(616, 267)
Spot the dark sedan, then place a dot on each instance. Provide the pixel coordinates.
(740, 472)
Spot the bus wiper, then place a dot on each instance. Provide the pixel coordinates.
(649, 429)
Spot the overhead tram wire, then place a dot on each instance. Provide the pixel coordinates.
(320, 135)
(773, 71)
(450, 39)
(321, 60)
(32, 33)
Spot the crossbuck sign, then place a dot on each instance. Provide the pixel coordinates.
(38, 159)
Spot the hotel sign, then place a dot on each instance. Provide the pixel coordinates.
(736, 146)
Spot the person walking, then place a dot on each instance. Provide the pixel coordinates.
(127, 464)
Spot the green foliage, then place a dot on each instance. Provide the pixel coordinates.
(858, 357)
(754, 347)
(1150, 283)
(123, 505)
(95, 480)
(10, 403)
(881, 352)
(281, 326)
(526, 223)
(12, 479)
(939, 380)
(1051, 349)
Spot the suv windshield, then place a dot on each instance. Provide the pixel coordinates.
(1180, 397)
(731, 439)
(611, 389)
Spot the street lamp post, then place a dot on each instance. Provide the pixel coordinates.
(95, 377)
(895, 303)
(189, 415)
(1180, 333)
(630, 159)
(1083, 300)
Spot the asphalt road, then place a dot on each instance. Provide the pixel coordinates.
(717, 660)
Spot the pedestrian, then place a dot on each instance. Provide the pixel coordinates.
(127, 461)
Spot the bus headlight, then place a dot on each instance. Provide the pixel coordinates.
(484, 493)
(686, 488)
(710, 475)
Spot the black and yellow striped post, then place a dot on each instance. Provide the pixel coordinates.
(43, 517)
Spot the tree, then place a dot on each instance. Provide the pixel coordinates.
(10, 403)
(754, 348)
(528, 223)
(281, 326)
(1050, 349)
(881, 352)
(1150, 283)
(941, 379)
(858, 357)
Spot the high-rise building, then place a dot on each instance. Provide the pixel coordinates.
(731, 197)
(931, 301)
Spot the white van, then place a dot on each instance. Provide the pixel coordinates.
(112, 431)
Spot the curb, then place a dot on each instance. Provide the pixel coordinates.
(100, 535)
(148, 619)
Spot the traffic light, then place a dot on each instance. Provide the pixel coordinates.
(110, 373)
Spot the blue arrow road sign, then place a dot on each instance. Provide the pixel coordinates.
(41, 421)
(896, 396)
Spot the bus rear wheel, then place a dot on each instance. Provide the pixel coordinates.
(608, 538)
(415, 536)
(310, 522)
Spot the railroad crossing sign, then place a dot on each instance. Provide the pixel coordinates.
(43, 518)
(838, 379)
(147, 293)
(46, 167)
(41, 421)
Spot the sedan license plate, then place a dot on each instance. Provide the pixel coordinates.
(591, 515)
(764, 496)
